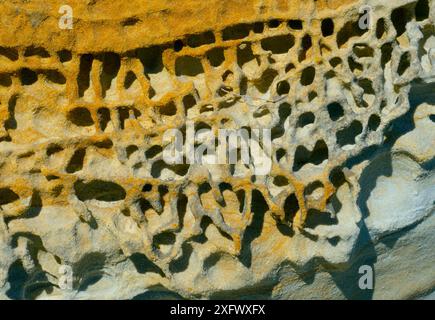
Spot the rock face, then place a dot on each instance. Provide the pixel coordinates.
(90, 208)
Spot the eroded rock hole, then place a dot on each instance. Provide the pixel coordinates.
(317, 218)
(266, 80)
(124, 114)
(337, 177)
(111, 64)
(28, 77)
(354, 66)
(284, 111)
(76, 161)
(163, 191)
(306, 44)
(153, 151)
(64, 55)
(206, 108)
(36, 51)
(182, 263)
(282, 88)
(241, 195)
(151, 59)
(204, 188)
(88, 270)
(188, 66)
(274, 23)
(363, 50)
(386, 52)
(83, 78)
(400, 17)
(55, 76)
(291, 207)
(11, 122)
(178, 45)
(147, 187)
(280, 181)
(10, 53)
(169, 109)
(130, 150)
(144, 265)
(181, 209)
(131, 21)
(312, 95)
(188, 102)
(422, 10)
(347, 135)
(17, 277)
(53, 148)
(7, 196)
(258, 27)
(158, 166)
(350, 29)
(313, 187)
(335, 62)
(316, 156)
(244, 54)
(404, 64)
(216, 56)
(367, 86)
(197, 40)
(280, 153)
(380, 28)
(5, 80)
(129, 79)
(289, 67)
(201, 125)
(374, 122)
(104, 144)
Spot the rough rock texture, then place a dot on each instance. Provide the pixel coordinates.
(84, 185)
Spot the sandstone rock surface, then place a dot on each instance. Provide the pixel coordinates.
(90, 209)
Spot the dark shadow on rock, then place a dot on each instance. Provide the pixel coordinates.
(380, 156)
(144, 265)
(380, 166)
(37, 284)
(89, 270)
(364, 252)
(35, 206)
(390, 239)
(320, 218)
(212, 260)
(182, 263)
(17, 278)
(259, 208)
(364, 255)
(429, 165)
(158, 293)
(422, 92)
(260, 291)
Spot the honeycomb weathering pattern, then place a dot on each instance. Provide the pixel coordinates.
(83, 113)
